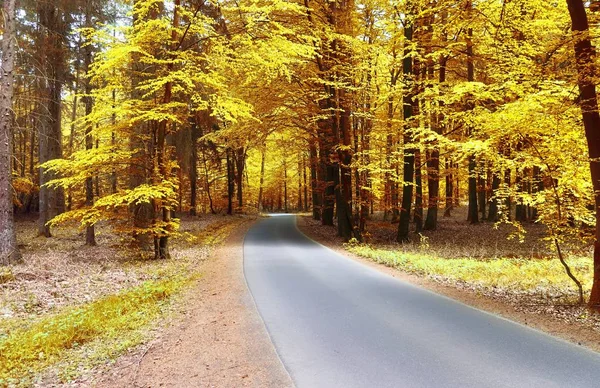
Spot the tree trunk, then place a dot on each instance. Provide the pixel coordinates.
(9, 250)
(585, 57)
(230, 180)
(285, 187)
(194, 170)
(473, 209)
(344, 193)
(391, 186)
(314, 180)
(449, 189)
(52, 201)
(299, 207)
(240, 162)
(433, 186)
(90, 233)
(263, 155)
(473, 215)
(409, 151)
(305, 183)
(418, 218)
(161, 151)
(494, 203)
(520, 210)
(482, 196)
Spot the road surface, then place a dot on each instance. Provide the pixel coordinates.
(337, 323)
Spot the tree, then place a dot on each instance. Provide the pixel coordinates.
(585, 59)
(9, 251)
(409, 149)
(53, 25)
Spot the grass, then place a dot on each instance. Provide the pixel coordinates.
(545, 276)
(28, 349)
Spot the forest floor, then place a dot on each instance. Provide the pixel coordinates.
(69, 311)
(480, 266)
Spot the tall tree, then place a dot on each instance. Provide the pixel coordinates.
(9, 251)
(409, 149)
(53, 24)
(585, 57)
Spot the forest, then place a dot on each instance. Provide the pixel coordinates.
(126, 118)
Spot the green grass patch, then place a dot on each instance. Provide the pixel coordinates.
(27, 348)
(514, 274)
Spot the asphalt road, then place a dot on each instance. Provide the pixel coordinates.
(338, 323)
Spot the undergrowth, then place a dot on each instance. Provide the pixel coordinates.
(27, 350)
(76, 338)
(541, 276)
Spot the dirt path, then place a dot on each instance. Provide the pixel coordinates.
(218, 339)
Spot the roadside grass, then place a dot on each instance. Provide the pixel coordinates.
(65, 342)
(517, 275)
(24, 351)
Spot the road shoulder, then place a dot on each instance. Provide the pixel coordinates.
(217, 339)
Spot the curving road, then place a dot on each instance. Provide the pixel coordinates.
(338, 323)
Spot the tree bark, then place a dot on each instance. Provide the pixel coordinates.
(433, 188)
(230, 180)
(409, 151)
(9, 250)
(494, 203)
(240, 163)
(52, 201)
(314, 180)
(585, 59)
(449, 189)
(473, 215)
(194, 170)
(90, 233)
(263, 156)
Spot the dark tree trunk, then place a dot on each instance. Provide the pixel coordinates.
(538, 186)
(409, 151)
(520, 209)
(473, 216)
(418, 218)
(473, 209)
(391, 189)
(240, 163)
(305, 183)
(331, 181)
(344, 193)
(482, 196)
(314, 181)
(52, 201)
(230, 180)
(90, 234)
(493, 210)
(449, 189)
(299, 206)
(433, 185)
(285, 187)
(194, 170)
(263, 156)
(508, 202)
